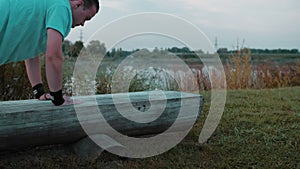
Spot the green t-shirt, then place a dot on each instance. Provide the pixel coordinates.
(24, 24)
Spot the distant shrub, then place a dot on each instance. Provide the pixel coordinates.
(241, 73)
(14, 82)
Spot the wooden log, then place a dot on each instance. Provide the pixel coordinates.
(31, 123)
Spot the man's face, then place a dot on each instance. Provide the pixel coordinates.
(80, 15)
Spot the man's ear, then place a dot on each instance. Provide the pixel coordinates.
(77, 3)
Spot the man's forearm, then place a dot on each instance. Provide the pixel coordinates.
(54, 68)
(33, 68)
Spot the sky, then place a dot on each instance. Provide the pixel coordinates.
(260, 24)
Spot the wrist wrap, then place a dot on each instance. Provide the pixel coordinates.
(38, 90)
(57, 98)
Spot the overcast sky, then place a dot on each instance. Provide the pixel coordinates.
(251, 23)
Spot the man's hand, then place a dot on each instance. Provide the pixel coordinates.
(45, 96)
(69, 101)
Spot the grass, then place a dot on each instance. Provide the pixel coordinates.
(259, 129)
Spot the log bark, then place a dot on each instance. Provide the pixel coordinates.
(31, 123)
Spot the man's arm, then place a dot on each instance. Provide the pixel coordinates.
(54, 60)
(33, 68)
(54, 66)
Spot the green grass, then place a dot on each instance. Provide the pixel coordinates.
(259, 129)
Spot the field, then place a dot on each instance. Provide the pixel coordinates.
(259, 129)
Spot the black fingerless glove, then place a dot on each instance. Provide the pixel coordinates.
(57, 98)
(38, 90)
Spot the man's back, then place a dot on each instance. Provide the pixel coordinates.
(23, 27)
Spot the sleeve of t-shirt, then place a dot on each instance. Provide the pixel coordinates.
(58, 18)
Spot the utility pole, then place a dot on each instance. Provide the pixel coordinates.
(216, 44)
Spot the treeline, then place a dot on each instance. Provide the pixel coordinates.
(261, 51)
(184, 51)
(73, 49)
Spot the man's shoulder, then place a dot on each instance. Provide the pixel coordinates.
(59, 16)
(54, 3)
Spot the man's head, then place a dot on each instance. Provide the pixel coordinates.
(83, 10)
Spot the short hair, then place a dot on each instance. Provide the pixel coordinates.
(89, 3)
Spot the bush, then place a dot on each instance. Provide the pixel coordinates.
(14, 82)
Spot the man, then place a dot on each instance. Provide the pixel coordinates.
(31, 27)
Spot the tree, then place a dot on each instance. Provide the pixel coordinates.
(66, 47)
(95, 47)
(222, 50)
(76, 48)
